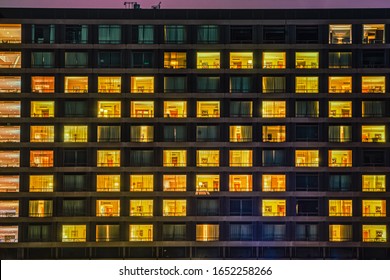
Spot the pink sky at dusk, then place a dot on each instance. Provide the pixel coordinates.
(200, 4)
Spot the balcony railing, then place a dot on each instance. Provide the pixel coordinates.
(140, 238)
(278, 214)
(10, 90)
(40, 214)
(374, 214)
(41, 164)
(141, 213)
(108, 164)
(111, 214)
(340, 239)
(9, 213)
(207, 238)
(108, 239)
(178, 164)
(14, 115)
(81, 239)
(376, 239)
(241, 139)
(340, 214)
(4, 164)
(274, 237)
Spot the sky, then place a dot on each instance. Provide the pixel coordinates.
(199, 4)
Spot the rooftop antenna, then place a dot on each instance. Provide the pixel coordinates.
(157, 7)
(132, 5)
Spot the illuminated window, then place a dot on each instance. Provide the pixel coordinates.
(274, 84)
(307, 158)
(41, 158)
(9, 208)
(340, 84)
(42, 84)
(74, 233)
(175, 109)
(142, 85)
(240, 158)
(206, 183)
(174, 207)
(240, 183)
(10, 59)
(340, 208)
(207, 158)
(273, 207)
(9, 109)
(9, 234)
(340, 233)
(108, 183)
(9, 134)
(9, 158)
(274, 60)
(274, 133)
(174, 158)
(208, 60)
(340, 133)
(274, 109)
(107, 233)
(142, 109)
(207, 232)
(141, 233)
(75, 133)
(42, 109)
(373, 183)
(240, 133)
(108, 158)
(9, 183)
(373, 133)
(10, 33)
(207, 109)
(141, 183)
(141, 133)
(41, 133)
(76, 84)
(109, 84)
(374, 84)
(109, 109)
(340, 109)
(175, 60)
(40, 208)
(307, 60)
(141, 207)
(10, 84)
(374, 233)
(340, 34)
(174, 183)
(306, 84)
(41, 183)
(108, 133)
(374, 208)
(373, 33)
(274, 183)
(107, 208)
(241, 60)
(340, 158)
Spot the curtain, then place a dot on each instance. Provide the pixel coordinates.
(273, 157)
(39, 233)
(340, 182)
(42, 59)
(241, 109)
(175, 133)
(207, 207)
(246, 132)
(174, 84)
(207, 84)
(76, 59)
(107, 233)
(240, 84)
(73, 208)
(373, 108)
(74, 182)
(110, 133)
(307, 109)
(145, 34)
(340, 59)
(109, 34)
(174, 232)
(208, 34)
(137, 133)
(346, 232)
(75, 109)
(35, 209)
(175, 34)
(272, 232)
(274, 84)
(141, 158)
(241, 232)
(335, 133)
(306, 232)
(142, 59)
(207, 133)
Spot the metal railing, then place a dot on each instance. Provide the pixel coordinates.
(44, 214)
(9, 213)
(108, 164)
(276, 214)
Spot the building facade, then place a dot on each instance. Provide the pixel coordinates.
(194, 134)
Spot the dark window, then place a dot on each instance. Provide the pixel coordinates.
(274, 84)
(307, 207)
(175, 232)
(240, 84)
(110, 59)
(373, 109)
(374, 158)
(207, 133)
(109, 133)
(142, 60)
(273, 157)
(141, 158)
(208, 84)
(43, 34)
(306, 133)
(76, 34)
(240, 207)
(208, 34)
(39, 233)
(76, 59)
(307, 182)
(75, 158)
(207, 207)
(175, 133)
(274, 232)
(307, 34)
(74, 207)
(307, 109)
(306, 232)
(42, 59)
(143, 34)
(340, 183)
(75, 109)
(110, 34)
(241, 109)
(373, 59)
(241, 34)
(175, 84)
(241, 232)
(107, 233)
(340, 59)
(175, 34)
(274, 34)
(74, 182)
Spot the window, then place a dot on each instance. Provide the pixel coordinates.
(208, 60)
(274, 60)
(208, 133)
(340, 84)
(274, 34)
(39, 233)
(141, 183)
(175, 34)
(274, 232)
(40, 208)
(174, 207)
(306, 85)
(207, 109)
(340, 34)
(175, 109)
(240, 183)
(373, 133)
(175, 60)
(9, 158)
(74, 233)
(274, 133)
(109, 109)
(174, 232)
(371, 84)
(108, 158)
(43, 34)
(76, 84)
(10, 84)
(241, 60)
(142, 233)
(142, 158)
(142, 84)
(9, 208)
(76, 34)
(240, 158)
(240, 34)
(340, 182)
(10, 33)
(42, 109)
(174, 183)
(178, 84)
(307, 182)
(174, 158)
(75, 109)
(241, 232)
(109, 59)
(175, 133)
(141, 133)
(373, 109)
(9, 134)
(307, 109)
(273, 183)
(373, 33)
(374, 233)
(77, 59)
(241, 109)
(340, 59)
(241, 207)
(373, 59)
(274, 84)
(143, 208)
(340, 109)
(307, 207)
(41, 133)
(340, 233)
(374, 208)
(10, 59)
(304, 132)
(307, 60)
(240, 84)
(240, 133)
(206, 183)
(9, 183)
(41, 158)
(340, 208)
(141, 59)
(109, 133)
(75, 157)
(75, 133)
(207, 158)
(107, 208)
(306, 232)
(340, 133)
(107, 233)
(373, 183)
(42, 84)
(41, 183)
(9, 234)
(307, 158)
(108, 183)
(208, 34)
(208, 84)
(273, 109)
(374, 158)
(306, 34)
(9, 109)
(109, 34)
(273, 157)
(206, 232)
(273, 207)
(42, 59)
(340, 158)
(74, 182)
(142, 109)
(109, 84)
(74, 207)
(143, 34)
